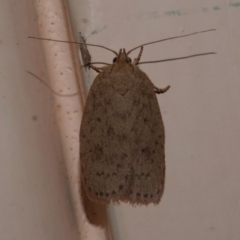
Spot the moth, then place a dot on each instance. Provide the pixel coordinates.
(122, 135)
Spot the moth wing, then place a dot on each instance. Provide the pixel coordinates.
(106, 168)
(122, 139)
(148, 154)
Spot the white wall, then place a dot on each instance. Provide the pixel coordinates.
(200, 112)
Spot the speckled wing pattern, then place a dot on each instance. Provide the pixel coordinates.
(122, 138)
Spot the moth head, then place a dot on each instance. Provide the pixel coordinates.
(122, 57)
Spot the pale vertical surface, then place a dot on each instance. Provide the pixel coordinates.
(34, 199)
(52, 18)
(200, 112)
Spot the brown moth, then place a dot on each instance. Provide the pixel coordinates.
(122, 133)
(122, 136)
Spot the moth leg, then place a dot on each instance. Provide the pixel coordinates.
(96, 68)
(160, 90)
(136, 60)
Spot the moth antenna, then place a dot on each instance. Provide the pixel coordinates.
(93, 45)
(59, 94)
(172, 59)
(165, 39)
